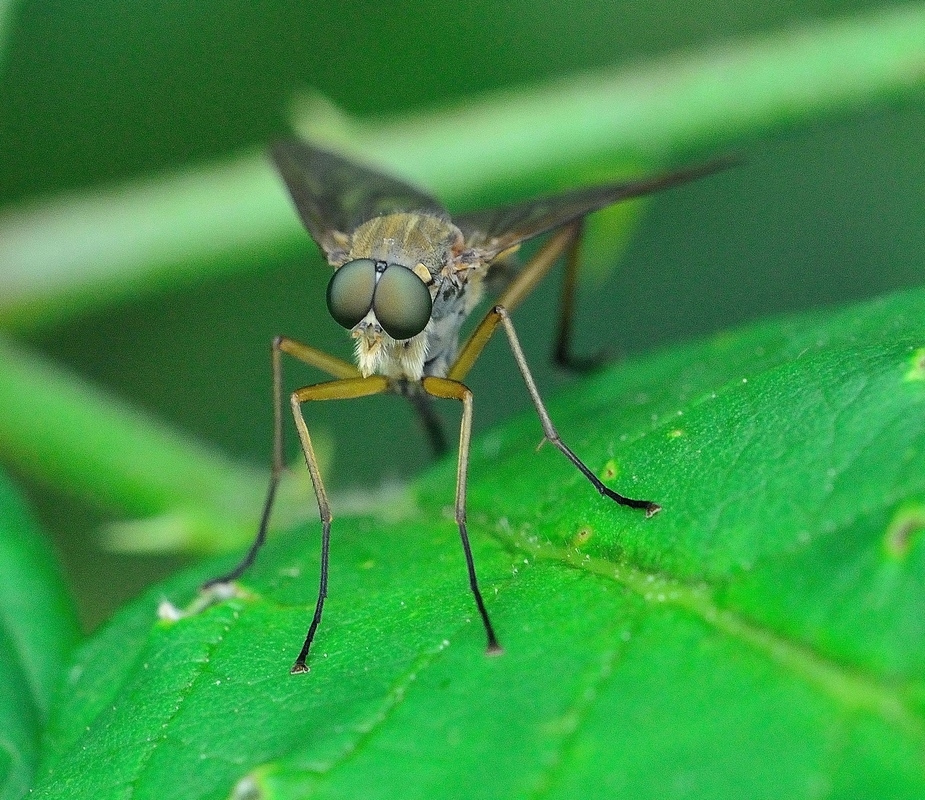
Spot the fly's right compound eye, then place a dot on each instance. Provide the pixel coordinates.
(402, 303)
(351, 290)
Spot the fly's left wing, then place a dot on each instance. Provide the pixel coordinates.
(333, 195)
(495, 230)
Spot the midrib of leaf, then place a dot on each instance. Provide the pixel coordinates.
(850, 687)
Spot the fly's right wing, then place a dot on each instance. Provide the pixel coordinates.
(495, 230)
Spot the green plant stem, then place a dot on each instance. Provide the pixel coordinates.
(680, 103)
(68, 254)
(65, 432)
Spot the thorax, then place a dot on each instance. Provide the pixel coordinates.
(432, 247)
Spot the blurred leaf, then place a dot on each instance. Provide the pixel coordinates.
(761, 637)
(38, 629)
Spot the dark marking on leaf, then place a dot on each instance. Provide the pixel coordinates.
(907, 523)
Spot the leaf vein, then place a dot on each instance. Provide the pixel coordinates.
(849, 686)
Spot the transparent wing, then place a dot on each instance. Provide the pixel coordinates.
(497, 229)
(332, 194)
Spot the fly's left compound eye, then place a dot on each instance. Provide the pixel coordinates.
(402, 302)
(350, 292)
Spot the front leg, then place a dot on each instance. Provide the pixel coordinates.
(454, 390)
(313, 357)
(346, 389)
(472, 350)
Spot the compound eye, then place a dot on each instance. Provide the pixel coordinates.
(402, 303)
(350, 291)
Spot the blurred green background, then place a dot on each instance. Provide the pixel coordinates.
(96, 92)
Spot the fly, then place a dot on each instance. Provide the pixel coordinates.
(406, 277)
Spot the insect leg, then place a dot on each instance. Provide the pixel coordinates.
(568, 241)
(539, 266)
(335, 367)
(454, 390)
(562, 355)
(314, 358)
(516, 292)
(430, 421)
(472, 350)
(345, 389)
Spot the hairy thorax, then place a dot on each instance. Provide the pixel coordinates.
(433, 248)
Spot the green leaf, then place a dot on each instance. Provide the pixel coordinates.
(38, 629)
(762, 636)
